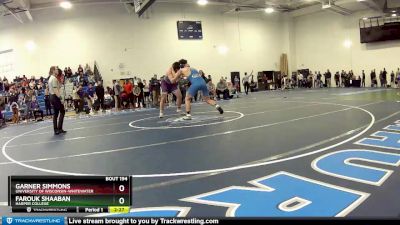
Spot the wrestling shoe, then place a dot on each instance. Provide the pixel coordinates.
(180, 112)
(161, 115)
(220, 110)
(187, 117)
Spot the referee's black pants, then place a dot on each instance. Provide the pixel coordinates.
(59, 112)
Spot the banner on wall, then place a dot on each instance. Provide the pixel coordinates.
(7, 62)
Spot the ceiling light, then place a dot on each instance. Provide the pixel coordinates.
(393, 11)
(347, 43)
(222, 49)
(202, 2)
(269, 10)
(30, 45)
(365, 18)
(327, 6)
(66, 5)
(394, 15)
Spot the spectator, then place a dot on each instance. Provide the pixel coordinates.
(34, 106)
(384, 78)
(373, 78)
(363, 79)
(246, 82)
(100, 94)
(89, 96)
(328, 76)
(78, 102)
(128, 88)
(398, 78)
(146, 92)
(337, 79)
(343, 76)
(237, 83)
(155, 87)
(222, 88)
(80, 69)
(392, 79)
(141, 93)
(108, 100)
(211, 89)
(117, 92)
(15, 112)
(47, 101)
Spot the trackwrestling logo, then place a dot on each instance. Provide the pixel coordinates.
(34, 220)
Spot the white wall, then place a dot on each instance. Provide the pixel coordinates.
(109, 35)
(320, 41)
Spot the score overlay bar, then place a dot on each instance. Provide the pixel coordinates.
(68, 193)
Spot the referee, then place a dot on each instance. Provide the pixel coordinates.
(55, 95)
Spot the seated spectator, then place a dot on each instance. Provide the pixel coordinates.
(222, 88)
(124, 100)
(211, 88)
(232, 90)
(80, 69)
(1, 86)
(78, 102)
(108, 100)
(89, 96)
(47, 102)
(69, 72)
(36, 109)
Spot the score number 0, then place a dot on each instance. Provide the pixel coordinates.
(121, 200)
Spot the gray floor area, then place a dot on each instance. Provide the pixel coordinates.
(171, 159)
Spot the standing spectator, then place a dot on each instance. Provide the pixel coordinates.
(337, 79)
(141, 93)
(328, 76)
(300, 78)
(117, 92)
(236, 81)
(155, 88)
(89, 96)
(398, 78)
(146, 92)
(246, 82)
(55, 98)
(343, 76)
(373, 78)
(392, 79)
(363, 79)
(384, 78)
(319, 78)
(100, 94)
(128, 88)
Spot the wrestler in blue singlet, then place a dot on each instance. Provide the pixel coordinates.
(197, 83)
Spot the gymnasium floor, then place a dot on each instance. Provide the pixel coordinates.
(275, 134)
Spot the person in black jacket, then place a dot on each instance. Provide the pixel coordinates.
(363, 79)
(100, 94)
(141, 95)
(328, 77)
(373, 78)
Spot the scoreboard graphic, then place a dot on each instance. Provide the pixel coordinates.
(190, 30)
(97, 194)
